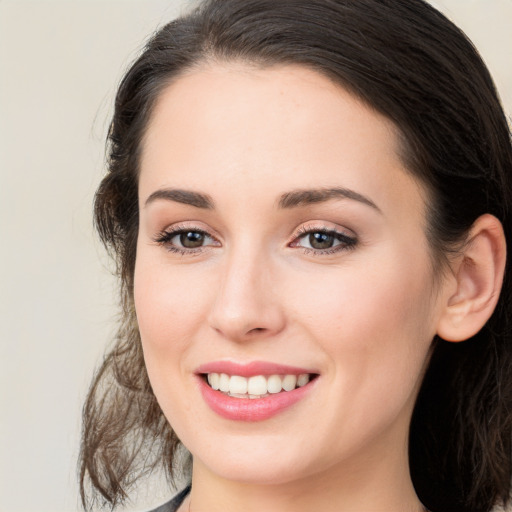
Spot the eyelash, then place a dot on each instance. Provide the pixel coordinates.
(164, 239)
(346, 242)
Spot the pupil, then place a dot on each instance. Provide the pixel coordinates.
(321, 240)
(191, 239)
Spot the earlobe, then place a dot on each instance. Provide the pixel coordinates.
(478, 275)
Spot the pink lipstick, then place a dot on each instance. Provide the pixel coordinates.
(255, 391)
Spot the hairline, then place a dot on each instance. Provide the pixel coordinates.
(411, 161)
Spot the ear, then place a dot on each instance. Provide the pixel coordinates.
(478, 274)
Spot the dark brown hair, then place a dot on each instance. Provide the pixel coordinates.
(407, 61)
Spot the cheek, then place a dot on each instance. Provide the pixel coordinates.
(170, 306)
(376, 326)
(170, 303)
(389, 302)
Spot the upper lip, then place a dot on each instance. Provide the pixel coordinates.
(250, 369)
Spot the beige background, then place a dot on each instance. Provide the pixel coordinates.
(59, 64)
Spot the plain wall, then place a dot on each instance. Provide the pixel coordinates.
(60, 62)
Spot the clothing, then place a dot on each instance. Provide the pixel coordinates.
(174, 504)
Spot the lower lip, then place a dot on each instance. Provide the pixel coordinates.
(247, 409)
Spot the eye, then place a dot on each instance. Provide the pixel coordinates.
(185, 240)
(189, 239)
(323, 241)
(319, 240)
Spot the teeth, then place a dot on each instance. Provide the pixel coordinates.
(224, 382)
(302, 379)
(213, 380)
(246, 395)
(289, 382)
(237, 385)
(257, 386)
(274, 384)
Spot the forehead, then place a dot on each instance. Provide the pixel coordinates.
(288, 126)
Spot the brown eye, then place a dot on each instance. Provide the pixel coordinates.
(192, 239)
(321, 240)
(185, 241)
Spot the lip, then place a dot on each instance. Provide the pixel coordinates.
(245, 409)
(251, 369)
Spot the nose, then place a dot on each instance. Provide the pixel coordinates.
(246, 304)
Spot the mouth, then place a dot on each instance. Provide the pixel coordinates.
(255, 391)
(256, 386)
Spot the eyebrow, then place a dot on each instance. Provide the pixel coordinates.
(310, 196)
(292, 199)
(182, 196)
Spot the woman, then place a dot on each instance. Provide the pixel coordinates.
(309, 203)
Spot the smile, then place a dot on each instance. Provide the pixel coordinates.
(255, 391)
(257, 386)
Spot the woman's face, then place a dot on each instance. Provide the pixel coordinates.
(281, 235)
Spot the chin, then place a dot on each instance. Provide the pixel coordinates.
(256, 460)
(261, 471)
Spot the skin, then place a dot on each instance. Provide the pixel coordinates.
(362, 317)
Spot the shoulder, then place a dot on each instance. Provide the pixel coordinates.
(172, 506)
